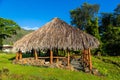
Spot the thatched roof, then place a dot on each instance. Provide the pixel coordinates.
(56, 34)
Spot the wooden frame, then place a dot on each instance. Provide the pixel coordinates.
(86, 59)
(18, 55)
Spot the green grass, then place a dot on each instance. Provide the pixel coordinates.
(21, 72)
(115, 59)
(110, 70)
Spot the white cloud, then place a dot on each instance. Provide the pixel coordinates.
(30, 28)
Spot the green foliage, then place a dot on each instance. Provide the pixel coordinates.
(117, 17)
(107, 31)
(93, 28)
(14, 38)
(7, 28)
(110, 32)
(85, 18)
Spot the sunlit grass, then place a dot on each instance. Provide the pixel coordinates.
(25, 72)
(112, 58)
(111, 71)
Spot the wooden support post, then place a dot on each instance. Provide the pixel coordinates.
(20, 55)
(90, 61)
(57, 60)
(51, 57)
(35, 55)
(85, 61)
(86, 58)
(17, 56)
(68, 59)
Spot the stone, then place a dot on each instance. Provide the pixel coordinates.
(86, 70)
(95, 72)
(70, 68)
(47, 62)
(42, 62)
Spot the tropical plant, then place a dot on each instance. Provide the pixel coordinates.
(7, 28)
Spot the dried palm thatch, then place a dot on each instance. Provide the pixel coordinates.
(56, 34)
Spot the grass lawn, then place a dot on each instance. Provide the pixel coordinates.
(110, 70)
(24, 72)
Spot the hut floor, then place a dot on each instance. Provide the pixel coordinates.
(43, 63)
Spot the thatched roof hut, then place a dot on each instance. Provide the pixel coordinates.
(56, 34)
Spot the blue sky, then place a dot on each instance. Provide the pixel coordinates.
(32, 14)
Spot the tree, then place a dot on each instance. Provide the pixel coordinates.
(106, 26)
(110, 33)
(7, 28)
(117, 15)
(117, 10)
(85, 18)
(80, 16)
(93, 28)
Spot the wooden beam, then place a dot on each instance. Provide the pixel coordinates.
(68, 59)
(36, 56)
(90, 61)
(51, 57)
(43, 57)
(58, 57)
